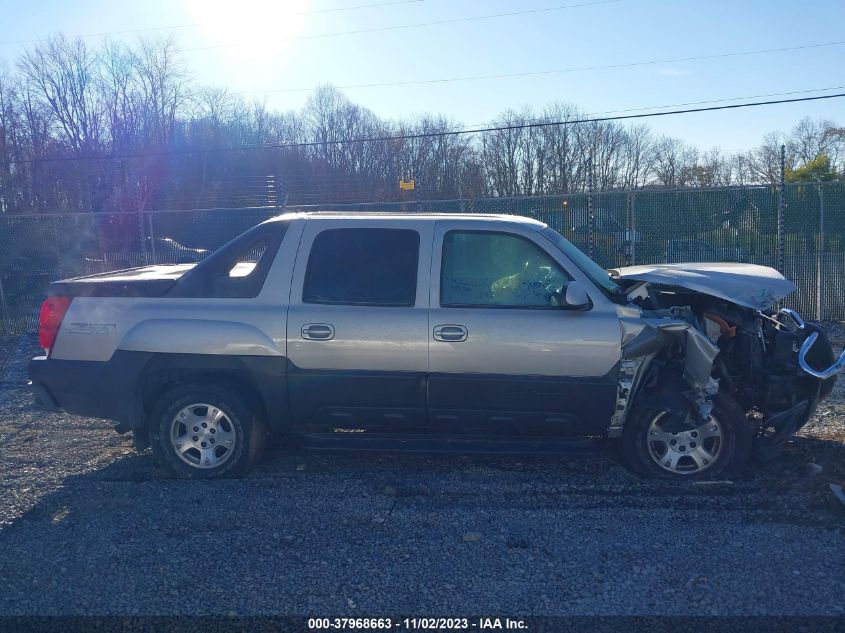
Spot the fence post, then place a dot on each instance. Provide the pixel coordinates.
(272, 192)
(141, 235)
(781, 203)
(4, 309)
(152, 237)
(591, 220)
(820, 260)
(631, 254)
(60, 263)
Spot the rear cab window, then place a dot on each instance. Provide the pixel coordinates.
(238, 269)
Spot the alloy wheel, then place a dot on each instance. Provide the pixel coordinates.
(202, 435)
(684, 451)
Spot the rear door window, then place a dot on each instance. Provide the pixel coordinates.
(363, 266)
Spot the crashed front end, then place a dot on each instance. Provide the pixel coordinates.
(715, 325)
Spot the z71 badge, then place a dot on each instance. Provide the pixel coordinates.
(92, 328)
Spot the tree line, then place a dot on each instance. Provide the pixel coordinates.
(120, 127)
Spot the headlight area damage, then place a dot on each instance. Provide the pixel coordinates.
(692, 331)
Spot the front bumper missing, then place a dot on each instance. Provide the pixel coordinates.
(780, 427)
(835, 368)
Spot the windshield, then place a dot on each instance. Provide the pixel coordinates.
(590, 268)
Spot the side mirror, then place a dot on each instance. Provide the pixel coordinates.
(574, 297)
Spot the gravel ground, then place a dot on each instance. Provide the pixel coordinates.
(87, 528)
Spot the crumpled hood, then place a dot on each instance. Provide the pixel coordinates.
(749, 285)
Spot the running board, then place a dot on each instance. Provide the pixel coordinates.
(450, 444)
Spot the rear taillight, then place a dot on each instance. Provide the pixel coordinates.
(50, 320)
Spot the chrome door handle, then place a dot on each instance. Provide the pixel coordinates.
(450, 333)
(318, 331)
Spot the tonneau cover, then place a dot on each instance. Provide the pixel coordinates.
(146, 281)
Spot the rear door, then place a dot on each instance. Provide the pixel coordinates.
(358, 326)
(504, 359)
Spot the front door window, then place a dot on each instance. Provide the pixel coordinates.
(497, 270)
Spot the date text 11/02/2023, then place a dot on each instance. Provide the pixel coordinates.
(421, 623)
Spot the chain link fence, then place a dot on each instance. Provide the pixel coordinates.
(736, 224)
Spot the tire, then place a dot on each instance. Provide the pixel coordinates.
(718, 447)
(206, 432)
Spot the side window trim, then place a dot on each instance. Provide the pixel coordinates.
(492, 306)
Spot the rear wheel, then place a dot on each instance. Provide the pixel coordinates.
(660, 441)
(203, 432)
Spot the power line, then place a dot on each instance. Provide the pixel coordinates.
(541, 124)
(539, 73)
(421, 135)
(691, 103)
(378, 29)
(190, 25)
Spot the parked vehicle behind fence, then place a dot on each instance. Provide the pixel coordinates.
(156, 250)
(431, 332)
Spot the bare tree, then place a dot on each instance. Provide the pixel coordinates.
(604, 143)
(764, 162)
(638, 162)
(673, 162)
(811, 138)
(65, 73)
(562, 167)
(164, 87)
(505, 153)
(8, 145)
(121, 95)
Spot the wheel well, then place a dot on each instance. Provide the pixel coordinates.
(664, 384)
(164, 374)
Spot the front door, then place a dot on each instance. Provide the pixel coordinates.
(504, 359)
(358, 326)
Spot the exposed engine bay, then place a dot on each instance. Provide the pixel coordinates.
(715, 326)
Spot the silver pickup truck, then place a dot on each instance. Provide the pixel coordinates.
(433, 332)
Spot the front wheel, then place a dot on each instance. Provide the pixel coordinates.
(203, 432)
(658, 441)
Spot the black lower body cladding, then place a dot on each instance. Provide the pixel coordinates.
(91, 388)
(126, 388)
(538, 406)
(113, 389)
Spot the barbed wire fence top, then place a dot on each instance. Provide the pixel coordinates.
(798, 229)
